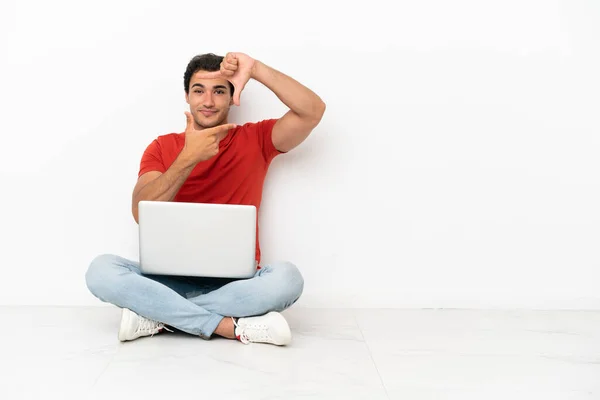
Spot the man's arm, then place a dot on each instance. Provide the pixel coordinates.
(157, 186)
(306, 108)
(200, 145)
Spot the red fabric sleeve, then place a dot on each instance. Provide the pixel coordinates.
(264, 132)
(152, 159)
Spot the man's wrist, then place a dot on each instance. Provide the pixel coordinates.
(257, 69)
(185, 159)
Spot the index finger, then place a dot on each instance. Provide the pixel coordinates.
(209, 75)
(227, 127)
(221, 128)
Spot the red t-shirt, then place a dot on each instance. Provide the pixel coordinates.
(234, 176)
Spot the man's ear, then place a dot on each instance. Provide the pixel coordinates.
(187, 98)
(231, 101)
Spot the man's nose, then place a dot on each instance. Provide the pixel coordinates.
(208, 100)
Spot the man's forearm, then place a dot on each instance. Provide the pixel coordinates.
(292, 93)
(166, 186)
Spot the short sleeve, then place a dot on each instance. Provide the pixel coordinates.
(265, 138)
(152, 159)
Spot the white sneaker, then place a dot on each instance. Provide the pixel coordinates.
(134, 326)
(269, 328)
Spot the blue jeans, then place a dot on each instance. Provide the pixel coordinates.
(193, 305)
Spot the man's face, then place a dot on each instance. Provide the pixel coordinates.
(209, 100)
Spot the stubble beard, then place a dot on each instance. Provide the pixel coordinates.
(217, 122)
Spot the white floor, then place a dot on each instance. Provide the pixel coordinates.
(73, 353)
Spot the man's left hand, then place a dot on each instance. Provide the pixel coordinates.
(237, 68)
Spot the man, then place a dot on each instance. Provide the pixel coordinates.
(213, 162)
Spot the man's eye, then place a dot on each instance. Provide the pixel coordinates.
(220, 92)
(198, 91)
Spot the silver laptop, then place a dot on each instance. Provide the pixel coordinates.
(197, 239)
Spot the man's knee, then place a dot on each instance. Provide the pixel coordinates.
(98, 275)
(289, 283)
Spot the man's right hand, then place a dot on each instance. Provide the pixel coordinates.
(202, 145)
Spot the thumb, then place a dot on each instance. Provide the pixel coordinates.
(189, 121)
(237, 94)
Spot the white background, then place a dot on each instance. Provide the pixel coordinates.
(456, 166)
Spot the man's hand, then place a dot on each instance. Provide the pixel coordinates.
(202, 145)
(237, 68)
(305, 108)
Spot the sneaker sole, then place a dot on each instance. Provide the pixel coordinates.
(125, 321)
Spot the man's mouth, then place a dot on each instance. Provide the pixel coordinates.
(208, 113)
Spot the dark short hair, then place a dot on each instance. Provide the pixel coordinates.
(203, 62)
